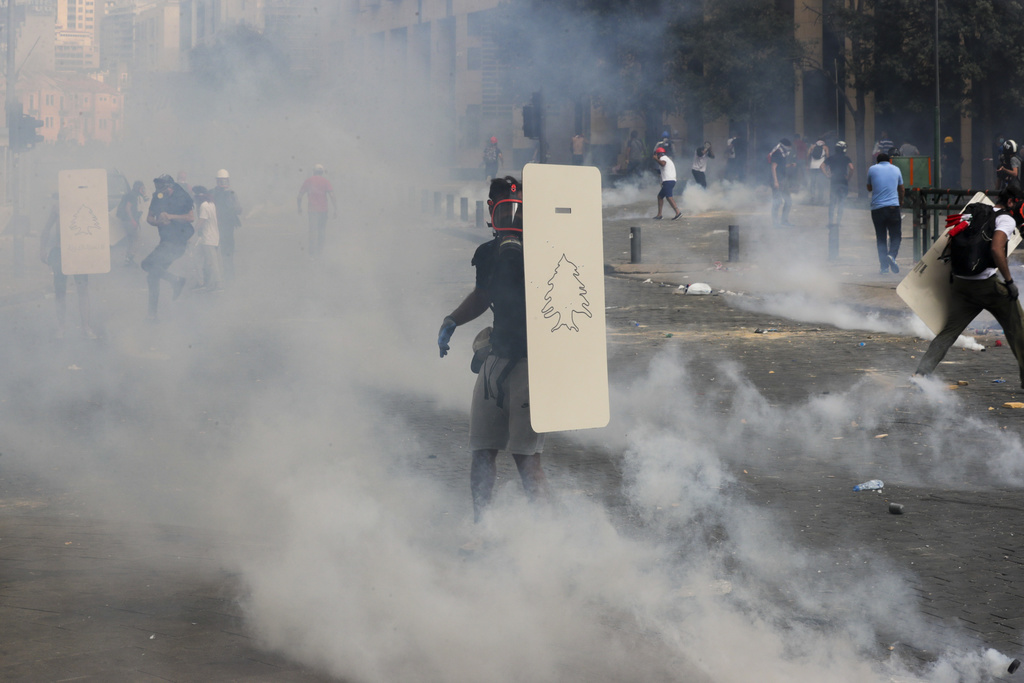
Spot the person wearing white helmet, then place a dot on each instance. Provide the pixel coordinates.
(319, 190)
(229, 218)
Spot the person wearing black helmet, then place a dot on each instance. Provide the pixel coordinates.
(987, 285)
(838, 169)
(1008, 171)
(172, 212)
(500, 413)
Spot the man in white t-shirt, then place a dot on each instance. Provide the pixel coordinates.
(991, 289)
(208, 238)
(668, 182)
(700, 164)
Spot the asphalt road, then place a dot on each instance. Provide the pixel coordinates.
(149, 479)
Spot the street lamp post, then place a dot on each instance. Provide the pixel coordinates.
(938, 135)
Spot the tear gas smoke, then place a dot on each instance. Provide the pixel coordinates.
(291, 416)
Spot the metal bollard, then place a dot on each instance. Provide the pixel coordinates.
(734, 243)
(464, 209)
(480, 220)
(437, 203)
(450, 213)
(833, 242)
(634, 245)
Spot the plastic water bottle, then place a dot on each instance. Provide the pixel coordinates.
(872, 485)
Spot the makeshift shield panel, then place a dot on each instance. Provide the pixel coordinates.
(84, 222)
(563, 254)
(926, 288)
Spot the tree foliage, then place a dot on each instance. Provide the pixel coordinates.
(737, 58)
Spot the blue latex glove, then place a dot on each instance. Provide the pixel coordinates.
(445, 335)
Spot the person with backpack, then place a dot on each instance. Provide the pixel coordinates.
(1008, 170)
(885, 183)
(492, 159)
(981, 278)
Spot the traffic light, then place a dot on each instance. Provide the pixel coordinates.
(21, 129)
(27, 134)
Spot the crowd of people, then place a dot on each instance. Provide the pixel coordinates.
(194, 220)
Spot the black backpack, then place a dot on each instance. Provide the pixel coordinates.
(970, 245)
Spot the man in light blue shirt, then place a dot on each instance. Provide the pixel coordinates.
(885, 183)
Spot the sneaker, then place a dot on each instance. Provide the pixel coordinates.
(676, 217)
(656, 218)
(178, 286)
(89, 334)
(892, 265)
(129, 261)
(883, 271)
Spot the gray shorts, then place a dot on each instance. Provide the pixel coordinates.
(507, 428)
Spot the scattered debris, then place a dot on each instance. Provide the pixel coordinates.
(699, 288)
(1013, 404)
(895, 509)
(873, 485)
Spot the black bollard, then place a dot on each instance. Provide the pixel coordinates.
(480, 220)
(634, 245)
(464, 209)
(734, 243)
(833, 242)
(437, 203)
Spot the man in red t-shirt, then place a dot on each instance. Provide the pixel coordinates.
(319, 189)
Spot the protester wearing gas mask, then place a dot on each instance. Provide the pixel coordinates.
(500, 412)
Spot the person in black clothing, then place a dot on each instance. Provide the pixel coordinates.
(838, 169)
(229, 218)
(500, 413)
(952, 160)
(171, 211)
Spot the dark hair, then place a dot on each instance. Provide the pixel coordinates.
(501, 188)
(786, 142)
(882, 156)
(199, 190)
(1009, 192)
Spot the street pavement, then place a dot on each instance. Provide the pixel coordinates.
(88, 593)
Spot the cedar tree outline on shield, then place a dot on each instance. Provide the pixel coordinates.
(563, 261)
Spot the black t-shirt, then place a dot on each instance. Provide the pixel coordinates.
(178, 203)
(780, 160)
(838, 166)
(499, 272)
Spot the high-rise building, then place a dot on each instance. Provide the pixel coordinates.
(76, 40)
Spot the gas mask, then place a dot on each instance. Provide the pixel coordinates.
(507, 223)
